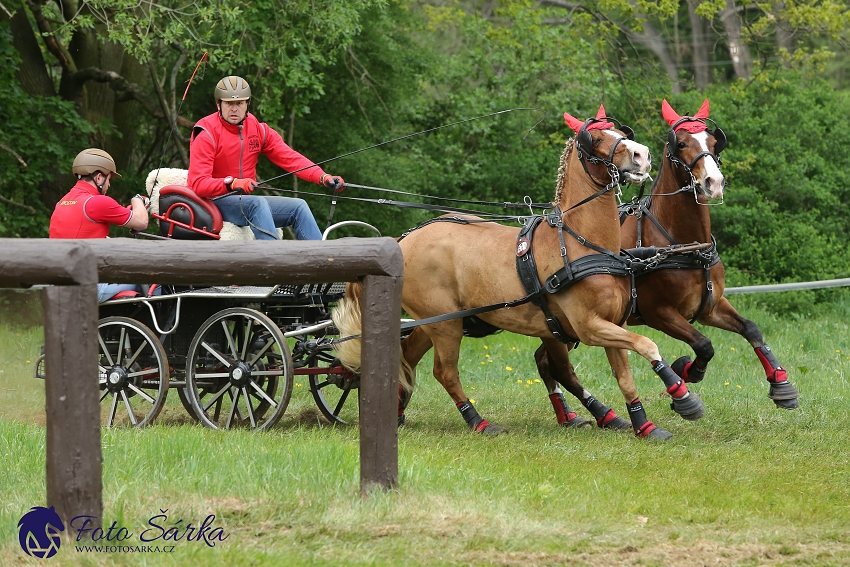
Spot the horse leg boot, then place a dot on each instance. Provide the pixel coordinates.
(782, 392)
(643, 427)
(564, 373)
(413, 348)
(446, 356)
(546, 369)
(670, 322)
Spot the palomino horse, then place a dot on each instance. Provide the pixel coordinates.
(685, 288)
(460, 263)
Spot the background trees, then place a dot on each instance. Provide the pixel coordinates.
(337, 75)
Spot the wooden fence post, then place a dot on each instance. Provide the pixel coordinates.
(380, 307)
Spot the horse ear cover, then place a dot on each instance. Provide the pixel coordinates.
(628, 131)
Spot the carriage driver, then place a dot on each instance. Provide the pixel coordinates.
(224, 149)
(86, 212)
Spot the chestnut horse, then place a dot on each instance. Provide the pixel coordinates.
(685, 288)
(459, 263)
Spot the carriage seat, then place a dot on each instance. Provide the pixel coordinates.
(171, 189)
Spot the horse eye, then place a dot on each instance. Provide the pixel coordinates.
(681, 145)
(597, 141)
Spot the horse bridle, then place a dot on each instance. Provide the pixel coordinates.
(672, 141)
(584, 143)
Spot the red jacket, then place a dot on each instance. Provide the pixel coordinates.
(85, 213)
(219, 149)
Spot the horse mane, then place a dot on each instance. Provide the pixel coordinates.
(562, 171)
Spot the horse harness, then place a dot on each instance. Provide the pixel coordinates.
(604, 262)
(695, 260)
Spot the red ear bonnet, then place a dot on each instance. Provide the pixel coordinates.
(576, 124)
(691, 126)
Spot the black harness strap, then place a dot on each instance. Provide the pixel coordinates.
(700, 259)
(527, 269)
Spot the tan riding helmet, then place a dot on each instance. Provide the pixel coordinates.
(232, 88)
(92, 160)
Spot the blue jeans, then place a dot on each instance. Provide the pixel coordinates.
(106, 291)
(268, 213)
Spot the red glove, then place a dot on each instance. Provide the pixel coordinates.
(334, 182)
(247, 186)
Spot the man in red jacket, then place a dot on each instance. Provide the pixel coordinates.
(224, 149)
(86, 212)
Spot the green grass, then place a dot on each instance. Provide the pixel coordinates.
(747, 485)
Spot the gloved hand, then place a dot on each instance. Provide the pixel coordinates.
(146, 201)
(334, 182)
(247, 186)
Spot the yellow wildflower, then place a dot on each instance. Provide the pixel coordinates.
(486, 347)
(519, 381)
(739, 386)
(537, 380)
(471, 401)
(508, 368)
(725, 383)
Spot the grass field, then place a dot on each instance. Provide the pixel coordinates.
(748, 485)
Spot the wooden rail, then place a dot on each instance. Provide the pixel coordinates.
(73, 268)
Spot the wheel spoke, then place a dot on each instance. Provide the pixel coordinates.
(229, 338)
(112, 410)
(267, 372)
(342, 401)
(104, 394)
(136, 354)
(248, 403)
(143, 372)
(217, 396)
(215, 354)
(247, 341)
(321, 385)
(120, 345)
(262, 351)
(200, 376)
(264, 394)
(131, 414)
(145, 395)
(105, 350)
(235, 400)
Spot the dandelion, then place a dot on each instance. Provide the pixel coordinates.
(529, 382)
(739, 386)
(297, 385)
(28, 362)
(472, 388)
(487, 355)
(725, 383)
(489, 360)
(486, 347)
(801, 345)
(508, 368)
(519, 381)
(836, 350)
(537, 380)
(513, 348)
(731, 348)
(482, 362)
(471, 401)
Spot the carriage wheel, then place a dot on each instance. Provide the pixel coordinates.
(335, 390)
(133, 372)
(238, 371)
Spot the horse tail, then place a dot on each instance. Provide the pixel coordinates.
(346, 316)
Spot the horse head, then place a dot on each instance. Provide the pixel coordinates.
(603, 139)
(695, 147)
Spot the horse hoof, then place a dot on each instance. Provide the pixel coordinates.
(659, 434)
(492, 430)
(617, 424)
(787, 404)
(577, 421)
(688, 371)
(784, 395)
(690, 407)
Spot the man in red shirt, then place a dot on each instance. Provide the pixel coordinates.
(86, 212)
(224, 149)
